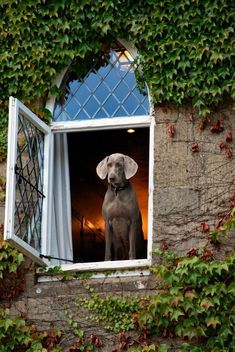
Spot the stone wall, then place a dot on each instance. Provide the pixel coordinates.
(194, 185)
(192, 188)
(53, 302)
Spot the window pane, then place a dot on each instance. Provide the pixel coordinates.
(29, 183)
(109, 89)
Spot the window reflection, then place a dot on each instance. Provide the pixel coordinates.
(108, 89)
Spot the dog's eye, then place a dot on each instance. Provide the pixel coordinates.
(118, 165)
(109, 164)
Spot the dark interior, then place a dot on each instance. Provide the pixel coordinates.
(86, 150)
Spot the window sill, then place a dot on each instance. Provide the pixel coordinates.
(98, 270)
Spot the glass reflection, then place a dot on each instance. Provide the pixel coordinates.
(108, 89)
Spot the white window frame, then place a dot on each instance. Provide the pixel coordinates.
(16, 107)
(108, 124)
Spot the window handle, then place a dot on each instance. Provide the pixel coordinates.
(21, 177)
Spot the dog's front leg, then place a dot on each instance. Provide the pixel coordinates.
(108, 241)
(132, 238)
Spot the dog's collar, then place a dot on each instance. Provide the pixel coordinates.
(119, 188)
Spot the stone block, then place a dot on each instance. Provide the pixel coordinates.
(176, 200)
(3, 167)
(2, 213)
(171, 164)
(165, 114)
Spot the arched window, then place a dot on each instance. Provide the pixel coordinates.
(100, 111)
(109, 89)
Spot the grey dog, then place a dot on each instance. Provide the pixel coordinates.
(123, 224)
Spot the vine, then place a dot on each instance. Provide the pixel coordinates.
(194, 302)
(11, 272)
(116, 313)
(15, 335)
(185, 51)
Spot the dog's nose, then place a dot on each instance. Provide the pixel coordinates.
(111, 179)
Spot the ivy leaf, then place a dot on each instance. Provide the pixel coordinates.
(231, 288)
(163, 348)
(176, 314)
(176, 300)
(206, 304)
(6, 324)
(213, 321)
(190, 294)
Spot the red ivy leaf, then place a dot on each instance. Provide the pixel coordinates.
(222, 145)
(191, 117)
(92, 338)
(164, 246)
(228, 152)
(219, 223)
(217, 127)
(229, 137)
(207, 254)
(204, 227)
(98, 342)
(192, 252)
(201, 125)
(194, 147)
(171, 129)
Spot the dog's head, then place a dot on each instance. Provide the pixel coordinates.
(117, 167)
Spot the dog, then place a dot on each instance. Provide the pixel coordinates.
(123, 223)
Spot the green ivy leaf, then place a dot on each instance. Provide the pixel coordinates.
(176, 314)
(231, 288)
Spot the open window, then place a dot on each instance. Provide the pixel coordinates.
(27, 181)
(54, 196)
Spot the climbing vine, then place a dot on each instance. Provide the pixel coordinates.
(194, 302)
(11, 272)
(116, 313)
(185, 50)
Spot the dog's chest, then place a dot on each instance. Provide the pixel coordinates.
(118, 205)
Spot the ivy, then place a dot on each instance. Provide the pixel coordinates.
(10, 259)
(12, 272)
(222, 231)
(185, 49)
(115, 312)
(16, 335)
(197, 302)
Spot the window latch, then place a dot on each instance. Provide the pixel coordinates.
(21, 177)
(51, 257)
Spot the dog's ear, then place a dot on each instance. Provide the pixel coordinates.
(130, 167)
(102, 169)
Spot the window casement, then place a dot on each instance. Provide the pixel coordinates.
(54, 197)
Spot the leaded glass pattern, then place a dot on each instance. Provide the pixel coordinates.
(109, 89)
(29, 183)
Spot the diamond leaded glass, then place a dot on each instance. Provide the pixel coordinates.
(29, 183)
(109, 89)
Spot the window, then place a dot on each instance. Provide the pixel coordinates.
(54, 196)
